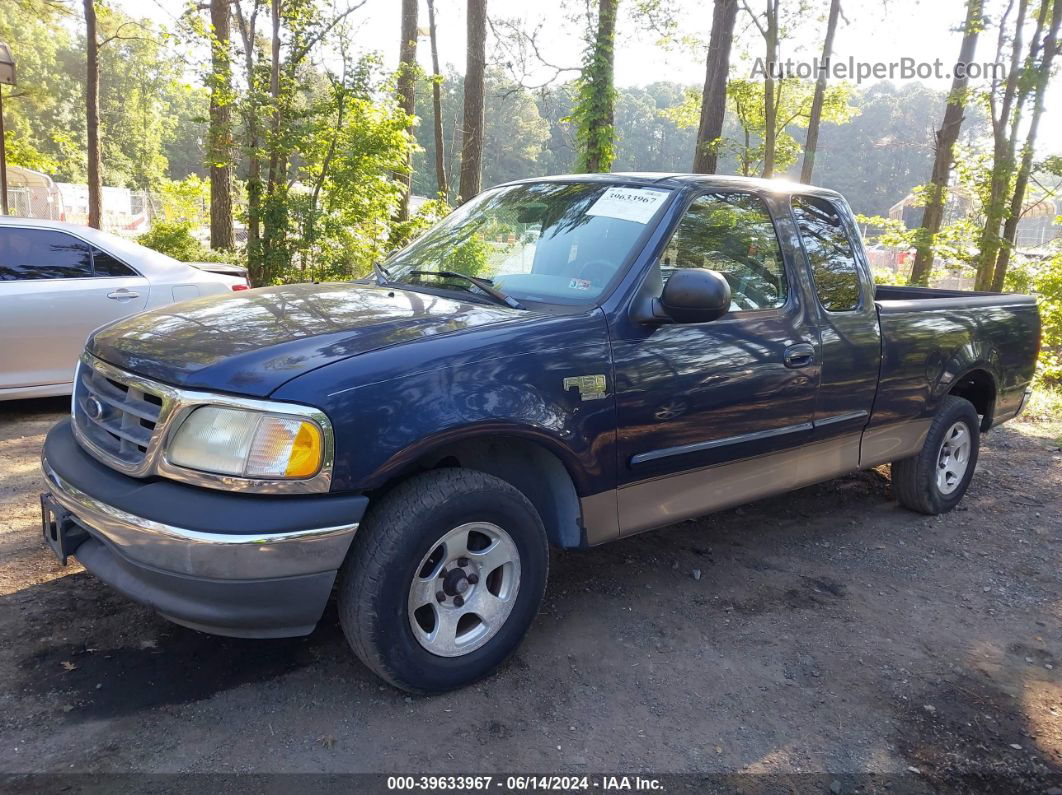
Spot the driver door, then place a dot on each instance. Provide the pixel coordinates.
(695, 397)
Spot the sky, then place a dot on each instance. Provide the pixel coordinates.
(872, 31)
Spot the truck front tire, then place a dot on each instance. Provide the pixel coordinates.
(935, 480)
(443, 579)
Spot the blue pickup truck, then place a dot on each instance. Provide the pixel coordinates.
(560, 362)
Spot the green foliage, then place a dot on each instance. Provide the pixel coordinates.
(875, 158)
(337, 224)
(186, 200)
(596, 97)
(175, 239)
(430, 213)
(888, 277)
(144, 103)
(794, 98)
(516, 134)
(1043, 279)
(45, 103)
(468, 257)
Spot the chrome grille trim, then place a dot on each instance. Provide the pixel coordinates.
(117, 437)
(120, 440)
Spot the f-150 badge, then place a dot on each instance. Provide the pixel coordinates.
(589, 387)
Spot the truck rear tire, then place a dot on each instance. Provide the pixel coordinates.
(935, 480)
(443, 579)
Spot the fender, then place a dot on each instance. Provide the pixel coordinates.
(437, 444)
(391, 408)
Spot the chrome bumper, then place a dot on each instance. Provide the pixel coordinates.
(198, 554)
(1024, 401)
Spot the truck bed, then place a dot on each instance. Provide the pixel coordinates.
(912, 297)
(931, 338)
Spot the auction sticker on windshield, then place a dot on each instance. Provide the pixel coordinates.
(629, 204)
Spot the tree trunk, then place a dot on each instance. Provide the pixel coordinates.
(270, 222)
(253, 131)
(436, 99)
(92, 116)
(947, 135)
(812, 139)
(770, 106)
(599, 108)
(713, 98)
(3, 159)
(407, 75)
(274, 93)
(219, 145)
(472, 121)
(1021, 182)
(1002, 159)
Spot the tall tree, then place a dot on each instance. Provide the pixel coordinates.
(252, 135)
(436, 99)
(768, 28)
(1041, 76)
(407, 81)
(92, 116)
(713, 98)
(947, 135)
(219, 136)
(297, 27)
(595, 109)
(812, 140)
(1005, 105)
(472, 119)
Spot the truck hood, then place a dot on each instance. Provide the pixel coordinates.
(253, 341)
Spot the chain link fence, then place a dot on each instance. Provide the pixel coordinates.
(126, 212)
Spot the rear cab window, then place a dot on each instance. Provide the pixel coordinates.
(830, 253)
(37, 254)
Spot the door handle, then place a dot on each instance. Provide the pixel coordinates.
(799, 355)
(123, 294)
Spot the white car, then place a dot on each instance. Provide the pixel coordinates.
(59, 282)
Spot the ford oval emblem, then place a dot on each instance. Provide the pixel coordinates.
(93, 408)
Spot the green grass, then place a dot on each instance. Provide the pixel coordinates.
(1043, 415)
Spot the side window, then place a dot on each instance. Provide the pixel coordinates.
(105, 265)
(829, 252)
(731, 233)
(32, 254)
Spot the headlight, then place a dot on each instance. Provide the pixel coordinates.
(248, 444)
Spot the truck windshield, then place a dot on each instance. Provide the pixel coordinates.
(550, 242)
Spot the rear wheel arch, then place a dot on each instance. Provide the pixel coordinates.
(979, 387)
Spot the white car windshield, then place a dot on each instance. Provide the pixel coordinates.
(547, 241)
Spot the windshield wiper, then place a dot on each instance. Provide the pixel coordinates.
(382, 276)
(483, 284)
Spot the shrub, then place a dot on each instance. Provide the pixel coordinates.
(175, 239)
(1043, 279)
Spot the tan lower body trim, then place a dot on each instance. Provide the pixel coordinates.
(600, 517)
(894, 442)
(672, 498)
(661, 501)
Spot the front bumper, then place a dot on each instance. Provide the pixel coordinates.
(233, 564)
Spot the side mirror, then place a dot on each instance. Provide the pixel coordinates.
(695, 295)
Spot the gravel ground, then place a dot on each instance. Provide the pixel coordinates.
(826, 631)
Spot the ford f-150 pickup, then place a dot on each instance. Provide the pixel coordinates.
(561, 361)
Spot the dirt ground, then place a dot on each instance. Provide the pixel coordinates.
(825, 631)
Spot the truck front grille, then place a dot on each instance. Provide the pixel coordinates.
(115, 414)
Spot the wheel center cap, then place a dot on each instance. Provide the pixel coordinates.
(455, 583)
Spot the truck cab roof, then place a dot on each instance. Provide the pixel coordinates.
(697, 181)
